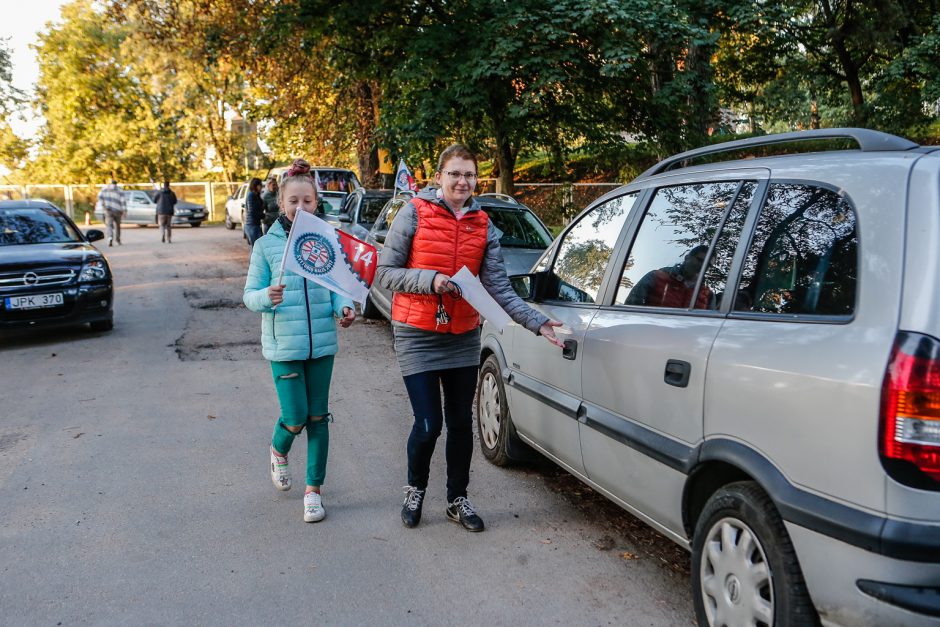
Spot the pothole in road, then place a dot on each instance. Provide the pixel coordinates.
(219, 328)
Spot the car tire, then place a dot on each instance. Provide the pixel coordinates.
(102, 325)
(739, 539)
(494, 423)
(195, 224)
(370, 311)
(228, 222)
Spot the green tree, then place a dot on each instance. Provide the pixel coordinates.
(104, 112)
(13, 149)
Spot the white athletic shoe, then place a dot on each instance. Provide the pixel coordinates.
(313, 508)
(280, 471)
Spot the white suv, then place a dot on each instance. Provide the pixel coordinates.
(752, 367)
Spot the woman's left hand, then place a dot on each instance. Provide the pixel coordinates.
(547, 331)
(349, 314)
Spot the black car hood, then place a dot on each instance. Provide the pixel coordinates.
(62, 254)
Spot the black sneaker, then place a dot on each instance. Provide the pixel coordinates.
(411, 508)
(461, 511)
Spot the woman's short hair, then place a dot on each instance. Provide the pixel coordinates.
(456, 151)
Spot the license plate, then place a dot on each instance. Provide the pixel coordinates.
(37, 301)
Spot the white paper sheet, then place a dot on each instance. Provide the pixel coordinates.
(474, 293)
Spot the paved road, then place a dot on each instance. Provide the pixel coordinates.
(134, 486)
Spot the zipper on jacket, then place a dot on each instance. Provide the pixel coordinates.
(309, 325)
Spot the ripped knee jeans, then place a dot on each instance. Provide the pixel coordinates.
(303, 389)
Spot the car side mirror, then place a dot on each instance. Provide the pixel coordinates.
(345, 217)
(530, 287)
(93, 235)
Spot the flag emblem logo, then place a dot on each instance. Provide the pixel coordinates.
(314, 253)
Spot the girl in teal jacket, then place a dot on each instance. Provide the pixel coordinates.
(298, 337)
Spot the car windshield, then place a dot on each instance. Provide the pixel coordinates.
(332, 203)
(521, 229)
(35, 225)
(370, 209)
(337, 180)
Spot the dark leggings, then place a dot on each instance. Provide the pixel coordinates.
(424, 390)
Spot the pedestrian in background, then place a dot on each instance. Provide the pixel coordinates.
(271, 208)
(115, 206)
(298, 337)
(437, 334)
(166, 208)
(254, 211)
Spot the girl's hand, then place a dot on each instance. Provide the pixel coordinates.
(349, 314)
(547, 331)
(276, 294)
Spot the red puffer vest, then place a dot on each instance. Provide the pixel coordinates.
(446, 244)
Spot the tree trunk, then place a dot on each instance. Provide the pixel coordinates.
(506, 158)
(367, 153)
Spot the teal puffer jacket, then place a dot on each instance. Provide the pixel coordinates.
(302, 327)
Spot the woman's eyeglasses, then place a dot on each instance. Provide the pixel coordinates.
(456, 176)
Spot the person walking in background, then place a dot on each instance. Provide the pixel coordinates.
(437, 334)
(271, 209)
(298, 337)
(114, 206)
(254, 211)
(166, 207)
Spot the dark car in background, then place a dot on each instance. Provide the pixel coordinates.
(361, 209)
(524, 239)
(50, 274)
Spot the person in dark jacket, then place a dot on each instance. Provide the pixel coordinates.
(254, 211)
(166, 207)
(271, 209)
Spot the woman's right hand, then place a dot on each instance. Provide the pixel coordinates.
(442, 284)
(276, 294)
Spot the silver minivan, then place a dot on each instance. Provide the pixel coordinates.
(752, 367)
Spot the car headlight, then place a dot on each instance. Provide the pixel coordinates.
(94, 270)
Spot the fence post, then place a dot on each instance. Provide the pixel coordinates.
(69, 205)
(210, 205)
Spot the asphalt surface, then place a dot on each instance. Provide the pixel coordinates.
(134, 483)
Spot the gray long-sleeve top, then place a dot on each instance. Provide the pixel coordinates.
(419, 350)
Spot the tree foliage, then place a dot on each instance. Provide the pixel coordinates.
(150, 88)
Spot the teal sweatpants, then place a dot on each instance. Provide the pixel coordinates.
(303, 389)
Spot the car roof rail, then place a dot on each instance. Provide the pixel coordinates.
(867, 140)
(499, 196)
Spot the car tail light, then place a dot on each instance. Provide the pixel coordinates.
(910, 411)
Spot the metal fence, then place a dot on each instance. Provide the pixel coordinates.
(555, 203)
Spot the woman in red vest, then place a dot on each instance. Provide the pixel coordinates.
(437, 334)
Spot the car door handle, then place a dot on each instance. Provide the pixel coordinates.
(570, 351)
(677, 373)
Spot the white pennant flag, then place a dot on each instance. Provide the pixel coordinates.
(314, 251)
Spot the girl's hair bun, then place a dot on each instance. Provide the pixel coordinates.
(298, 168)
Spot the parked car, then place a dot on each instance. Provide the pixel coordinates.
(235, 207)
(360, 210)
(752, 367)
(524, 239)
(142, 209)
(335, 185)
(50, 274)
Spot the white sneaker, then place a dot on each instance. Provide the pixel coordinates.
(280, 471)
(313, 508)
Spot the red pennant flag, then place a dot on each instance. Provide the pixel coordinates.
(362, 257)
